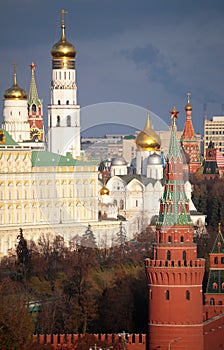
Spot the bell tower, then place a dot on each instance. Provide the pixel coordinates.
(64, 112)
(175, 273)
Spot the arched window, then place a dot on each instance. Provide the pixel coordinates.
(184, 255)
(34, 108)
(188, 295)
(136, 203)
(59, 102)
(169, 239)
(216, 260)
(167, 295)
(121, 204)
(58, 120)
(67, 102)
(182, 239)
(68, 120)
(168, 255)
(214, 285)
(115, 202)
(212, 301)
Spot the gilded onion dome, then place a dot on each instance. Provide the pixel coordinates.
(188, 106)
(15, 92)
(148, 139)
(63, 48)
(104, 190)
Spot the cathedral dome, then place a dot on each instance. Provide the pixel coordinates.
(118, 161)
(154, 159)
(15, 92)
(63, 48)
(148, 139)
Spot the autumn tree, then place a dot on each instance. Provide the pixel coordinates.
(16, 326)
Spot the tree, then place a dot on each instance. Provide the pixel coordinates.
(16, 326)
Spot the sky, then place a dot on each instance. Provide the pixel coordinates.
(134, 53)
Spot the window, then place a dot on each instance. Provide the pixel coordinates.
(59, 102)
(184, 255)
(34, 108)
(168, 255)
(67, 102)
(136, 203)
(115, 202)
(216, 260)
(214, 285)
(188, 295)
(68, 120)
(222, 260)
(121, 204)
(212, 301)
(167, 294)
(169, 239)
(182, 239)
(58, 120)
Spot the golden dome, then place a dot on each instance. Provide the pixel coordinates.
(63, 48)
(15, 92)
(148, 139)
(188, 106)
(104, 191)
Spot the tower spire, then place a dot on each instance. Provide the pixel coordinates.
(174, 208)
(63, 12)
(14, 74)
(33, 95)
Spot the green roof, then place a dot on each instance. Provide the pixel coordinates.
(45, 158)
(218, 246)
(8, 139)
(130, 137)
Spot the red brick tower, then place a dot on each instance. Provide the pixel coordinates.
(175, 273)
(214, 296)
(189, 141)
(35, 110)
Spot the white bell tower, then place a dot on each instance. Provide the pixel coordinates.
(64, 112)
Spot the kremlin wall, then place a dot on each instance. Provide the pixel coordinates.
(50, 189)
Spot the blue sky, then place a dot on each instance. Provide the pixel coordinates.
(137, 52)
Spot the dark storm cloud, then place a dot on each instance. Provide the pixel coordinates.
(135, 51)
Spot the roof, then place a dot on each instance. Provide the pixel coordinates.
(45, 158)
(143, 179)
(6, 139)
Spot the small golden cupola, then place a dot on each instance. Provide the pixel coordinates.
(63, 49)
(15, 92)
(104, 190)
(148, 139)
(188, 106)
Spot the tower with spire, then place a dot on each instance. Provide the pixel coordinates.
(15, 117)
(63, 111)
(175, 273)
(35, 110)
(189, 141)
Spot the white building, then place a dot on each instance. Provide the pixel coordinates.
(15, 115)
(63, 111)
